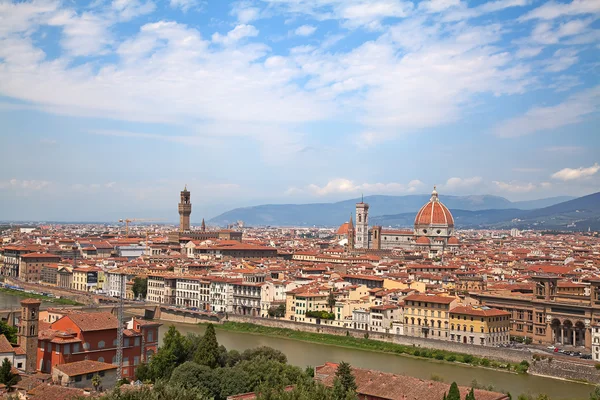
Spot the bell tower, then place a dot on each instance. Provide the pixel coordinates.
(185, 209)
(362, 226)
(28, 332)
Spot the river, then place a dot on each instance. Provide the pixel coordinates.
(304, 353)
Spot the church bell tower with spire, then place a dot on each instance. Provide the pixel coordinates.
(185, 210)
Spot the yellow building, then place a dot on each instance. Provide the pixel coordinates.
(482, 326)
(87, 279)
(428, 315)
(299, 301)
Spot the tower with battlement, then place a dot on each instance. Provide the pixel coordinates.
(185, 210)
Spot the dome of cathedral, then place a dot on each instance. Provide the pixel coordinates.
(434, 213)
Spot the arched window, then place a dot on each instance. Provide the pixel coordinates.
(101, 344)
(100, 359)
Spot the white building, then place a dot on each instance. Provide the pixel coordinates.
(383, 316)
(362, 226)
(361, 319)
(272, 293)
(193, 292)
(16, 355)
(221, 295)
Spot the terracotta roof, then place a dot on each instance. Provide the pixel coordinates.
(84, 367)
(5, 346)
(54, 392)
(391, 386)
(430, 298)
(31, 301)
(94, 321)
(480, 312)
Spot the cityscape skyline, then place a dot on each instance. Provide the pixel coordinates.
(116, 105)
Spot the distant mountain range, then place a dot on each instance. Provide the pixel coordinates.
(481, 211)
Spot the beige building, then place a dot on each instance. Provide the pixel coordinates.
(482, 326)
(428, 316)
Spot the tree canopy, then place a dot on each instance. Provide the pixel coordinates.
(140, 287)
(9, 331)
(6, 375)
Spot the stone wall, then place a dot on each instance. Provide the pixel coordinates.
(565, 370)
(493, 353)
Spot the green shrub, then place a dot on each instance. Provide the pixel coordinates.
(439, 356)
(417, 353)
(485, 362)
(467, 358)
(597, 365)
(451, 358)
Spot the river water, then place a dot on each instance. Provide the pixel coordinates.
(313, 354)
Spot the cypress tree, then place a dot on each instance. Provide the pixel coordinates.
(453, 393)
(208, 350)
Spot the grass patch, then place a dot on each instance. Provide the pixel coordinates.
(369, 344)
(54, 300)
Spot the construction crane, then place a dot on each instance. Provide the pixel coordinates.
(128, 220)
(120, 313)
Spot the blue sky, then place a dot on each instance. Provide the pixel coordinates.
(108, 108)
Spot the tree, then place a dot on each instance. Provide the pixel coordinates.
(453, 393)
(470, 395)
(595, 395)
(140, 287)
(208, 350)
(9, 331)
(6, 375)
(344, 382)
(96, 381)
(265, 352)
(331, 300)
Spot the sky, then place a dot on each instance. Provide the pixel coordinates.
(109, 108)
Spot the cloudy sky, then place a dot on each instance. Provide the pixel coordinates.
(108, 108)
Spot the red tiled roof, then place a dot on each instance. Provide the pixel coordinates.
(430, 298)
(479, 312)
(94, 321)
(84, 367)
(391, 386)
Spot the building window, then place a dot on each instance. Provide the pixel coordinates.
(75, 347)
(78, 378)
(100, 359)
(151, 336)
(101, 344)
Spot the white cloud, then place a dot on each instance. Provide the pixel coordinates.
(184, 5)
(571, 174)
(553, 9)
(129, 9)
(462, 12)
(346, 186)
(83, 35)
(549, 33)
(456, 183)
(305, 30)
(235, 35)
(571, 111)
(562, 60)
(514, 187)
(528, 52)
(245, 13)
(27, 185)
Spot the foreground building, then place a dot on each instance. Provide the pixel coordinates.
(376, 385)
(82, 336)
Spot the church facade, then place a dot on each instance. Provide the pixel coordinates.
(433, 230)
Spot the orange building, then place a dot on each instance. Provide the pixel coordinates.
(93, 336)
